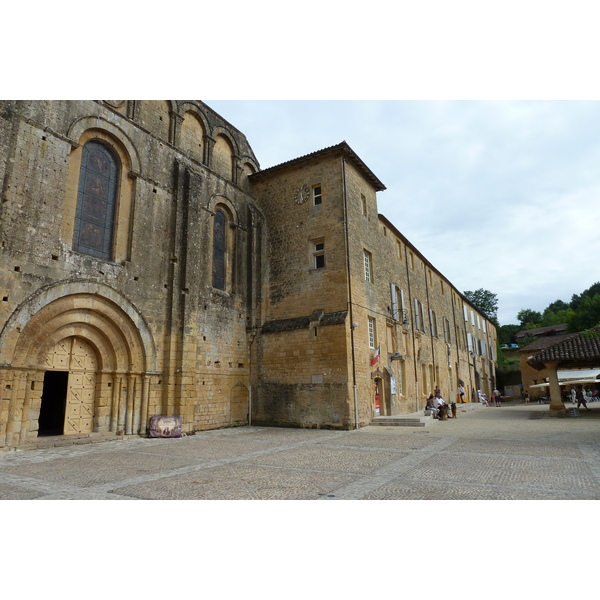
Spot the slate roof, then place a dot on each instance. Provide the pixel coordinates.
(575, 350)
(545, 341)
(542, 330)
(342, 148)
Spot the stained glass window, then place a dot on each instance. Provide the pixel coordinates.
(219, 250)
(96, 201)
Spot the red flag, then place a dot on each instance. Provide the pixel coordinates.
(375, 358)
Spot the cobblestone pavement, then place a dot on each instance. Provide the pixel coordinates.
(486, 453)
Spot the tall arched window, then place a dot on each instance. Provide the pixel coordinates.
(219, 250)
(96, 201)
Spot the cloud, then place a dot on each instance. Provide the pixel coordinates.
(499, 195)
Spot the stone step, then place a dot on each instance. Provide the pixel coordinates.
(403, 421)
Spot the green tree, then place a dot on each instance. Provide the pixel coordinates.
(506, 333)
(557, 306)
(486, 302)
(529, 319)
(589, 293)
(586, 315)
(557, 317)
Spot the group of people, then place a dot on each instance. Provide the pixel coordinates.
(496, 398)
(577, 395)
(439, 408)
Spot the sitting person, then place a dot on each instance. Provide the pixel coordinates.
(442, 407)
(431, 406)
(482, 398)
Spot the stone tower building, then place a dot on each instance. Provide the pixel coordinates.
(149, 267)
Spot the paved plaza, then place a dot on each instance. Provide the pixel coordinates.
(516, 452)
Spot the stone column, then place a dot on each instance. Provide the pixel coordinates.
(557, 408)
(144, 410)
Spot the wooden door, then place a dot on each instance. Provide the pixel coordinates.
(77, 357)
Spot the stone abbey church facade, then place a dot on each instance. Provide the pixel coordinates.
(150, 267)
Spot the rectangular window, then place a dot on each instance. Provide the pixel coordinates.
(372, 332)
(401, 379)
(391, 343)
(447, 331)
(364, 204)
(423, 318)
(368, 267)
(399, 249)
(435, 322)
(466, 313)
(469, 342)
(316, 194)
(319, 255)
(394, 308)
(411, 261)
(484, 327)
(417, 317)
(483, 350)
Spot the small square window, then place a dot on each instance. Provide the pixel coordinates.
(317, 195)
(319, 255)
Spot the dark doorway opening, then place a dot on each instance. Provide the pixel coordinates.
(54, 400)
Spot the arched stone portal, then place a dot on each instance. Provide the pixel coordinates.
(102, 346)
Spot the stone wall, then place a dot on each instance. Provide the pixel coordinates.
(195, 347)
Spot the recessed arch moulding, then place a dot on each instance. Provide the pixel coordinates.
(110, 324)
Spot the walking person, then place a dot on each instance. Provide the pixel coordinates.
(497, 398)
(580, 397)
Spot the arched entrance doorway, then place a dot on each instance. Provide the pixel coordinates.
(76, 359)
(378, 391)
(69, 389)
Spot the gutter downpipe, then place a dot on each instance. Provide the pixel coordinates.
(410, 304)
(427, 271)
(350, 311)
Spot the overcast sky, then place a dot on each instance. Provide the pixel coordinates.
(497, 194)
(501, 195)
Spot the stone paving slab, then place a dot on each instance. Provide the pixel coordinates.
(495, 453)
(390, 439)
(330, 459)
(91, 470)
(240, 482)
(404, 489)
(525, 448)
(511, 472)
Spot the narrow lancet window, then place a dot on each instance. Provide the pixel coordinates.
(96, 201)
(219, 247)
